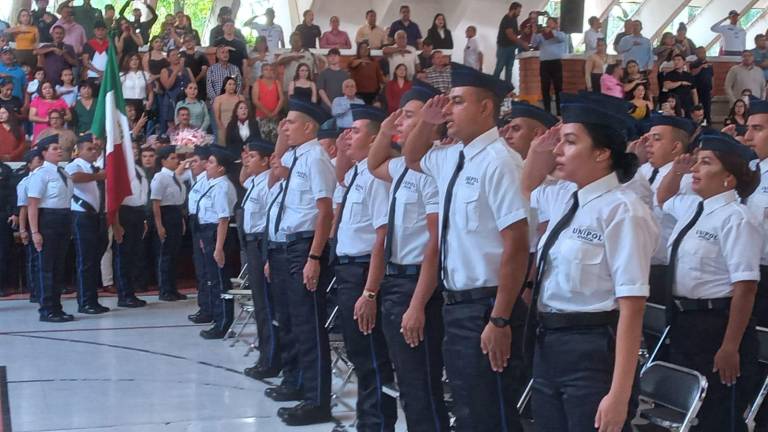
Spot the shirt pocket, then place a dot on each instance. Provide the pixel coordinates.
(299, 193)
(354, 208)
(412, 211)
(585, 261)
(468, 201)
(705, 260)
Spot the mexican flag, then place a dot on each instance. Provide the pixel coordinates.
(110, 124)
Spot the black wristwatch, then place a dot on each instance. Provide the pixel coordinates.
(315, 257)
(499, 322)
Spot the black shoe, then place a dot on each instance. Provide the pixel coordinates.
(260, 371)
(306, 413)
(283, 394)
(102, 308)
(67, 316)
(131, 302)
(168, 297)
(179, 296)
(200, 318)
(56, 318)
(67, 291)
(33, 300)
(213, 333)
(91, 310)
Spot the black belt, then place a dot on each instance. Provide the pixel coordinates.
(301, 235)
(345, 259)
(452, 297)
(55, 211)
(133, 208)
(554, 321)
(84, 204)
(208, 227)
(276, 245)
(683, 304)
(402, 270)
(254, 237)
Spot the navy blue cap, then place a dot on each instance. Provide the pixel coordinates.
(314, 111)
(31, 154)
(681, 123)
(329, 130)
(610, 113)
(165, 151)
(526, 110)
(420, 91)
(223, 156)
(465, 76)
(758, 107)
(84, 138)
(202, 151)
(724, 143)
(367, 112)
(43, 143)
(264, 147)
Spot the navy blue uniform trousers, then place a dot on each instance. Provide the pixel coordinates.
(263, 306)
(127, 257)
(279, 271)
(89, 232)
(204, 300)
(54, 225)
(168, 250)
(217, 280)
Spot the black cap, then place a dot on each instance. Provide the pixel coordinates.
(202, 151)
(314, 111)
(31, 154)
(43, 143)
(264, 147)
(681, 123)
(165, 151)
(223, 156)
(329, 130)
(367, 112)
(724, 143)
(758, 107)
(84, 138)
(526, 110)
(734, 12)
(600, 110)
(465, 76)
(420, 91)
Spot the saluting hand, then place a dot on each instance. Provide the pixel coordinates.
(611, 414)
(496, 343)
(639, 148)
(365, 314)
(683, 164)
(412, 326)
(388, 125)
(729, 130)
(432, 112)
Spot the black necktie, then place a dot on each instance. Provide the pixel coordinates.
(264, 241)
(138, 174)
(100, 186)
(344, 201)
(530, 320)
(673, 258)
(178, 183)
(279, 216)
(391, 218)
(654, 174)
(248, 194)
(63, 175)
(446, 214)
(197, 208)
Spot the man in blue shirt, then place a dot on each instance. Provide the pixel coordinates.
(637, 47)
(10, 70)
(410, 28)
(552, 44)
(761, 53)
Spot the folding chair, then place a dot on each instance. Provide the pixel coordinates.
(341, 366)
(674, 394)
(655, 325)
(762, 338)
(241, 295)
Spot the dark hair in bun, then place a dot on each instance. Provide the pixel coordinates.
(746, 179)
(624, 164)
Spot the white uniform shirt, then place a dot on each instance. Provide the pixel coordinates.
(273, 202)
(734, 37)
(486, 199)
(416, 198)
(364, 211)
(21, 192)
(603, 254)
(255, 203)
(217, 201)
(140, 187)
(758, 204)
(47, 185)
(472, 54)
(273, 34)
(723, 247)
(665, 220)
(167, 191)
(312, 178)
(590, 41)
(88, 191)
(197, 190)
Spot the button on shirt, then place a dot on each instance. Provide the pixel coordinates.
(164, 189)
(758, 204)
(47, 185)
(140, 188)
(364, 211)
(219, 201)
(88, 191)
(603, 254)
(486, 199)
(312, 179)
(722, 248)
(255, 203)
(196, 191)
(734, 37)
(415, 199)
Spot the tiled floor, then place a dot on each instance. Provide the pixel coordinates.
(136, 370)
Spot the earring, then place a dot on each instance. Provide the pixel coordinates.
(725, 184)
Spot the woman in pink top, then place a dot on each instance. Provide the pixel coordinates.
(335, 38)
(610, 82)
(41, 106)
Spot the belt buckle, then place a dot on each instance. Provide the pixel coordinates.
(679, 305)
(710, 305)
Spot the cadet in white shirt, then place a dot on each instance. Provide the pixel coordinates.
(714, 260)
(34, 159)
(757, 139)
(214, 209)
(411, 306)
(734, 40)
(89, 227)
(128, 230)
(167, 195)
(592, 275)
(199, 181)
(483, 247)
(49, 192)
(305, 214)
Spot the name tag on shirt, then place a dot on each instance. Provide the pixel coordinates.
(706, 235)
(587, 235)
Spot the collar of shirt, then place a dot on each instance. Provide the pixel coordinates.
(713, 203)
(597, 188)
(167, 172)
(48, 165)
(217, 180)
(259, 177)
(85, 164)
(764, 166)
(481, 142)
(307, 146)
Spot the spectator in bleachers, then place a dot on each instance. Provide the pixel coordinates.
(26, 35)
(56, 56)
(241, 127)
(685, 45)
(44, 21)
(370, 32)
(595, 65)
(335, 38)
(257, 58)
(308, 30)
(174, 80)
(303, 87)
(680, 82)
(67, 89)
(137, 84)
(74, 33)
(8, 100)
(439, 34)
(633, 75)
(331, 79)
(745, 75)
(34, 84)
(225, 14)
(169, 36)
(55, 125)
(508, 42)
(184, 27)
(272, 32)
(85, 15)
(411, 29)
(137, 120)
(664, 52)
(109, 15)
(619, 36)
(155, 60)
(238, 51)
(760, 52)
(703, 76)
(141, 26)
(94, 55)
(12, 72)
(425, 56)
(439, 75)
(473, 57)
(367, 74)
(592, 35)
(296, 56)
(224, 106)
(218, 74)
(197, 62)
(551, 43)
(341, 108)
(84, 109)
(198, 112)
(610, 81)
(128, 42)
(397, 87)
(267, 99)
(402, 52)
(641, 102)
(47, 101)
(637, 47)
(671, 106)
(737, 115)
(734, 37)
(12, 139)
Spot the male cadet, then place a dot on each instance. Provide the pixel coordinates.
(33, 159)
(360, 233)
(89, 228)
(305, 214)
(256, 172)
(327, 136)
(481, 264)
(128, 230)
(199, 180)
(411, 307)
(49, 193)
(667, 139)
(524, 123)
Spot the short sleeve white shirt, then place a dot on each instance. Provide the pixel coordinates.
(218, 201)
(758, 204)
(47, 185)
(166, 190)
(364, 212)
(255, 203)
(88, 191)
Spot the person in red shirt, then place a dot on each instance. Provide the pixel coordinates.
(397, 87)
(12, 140)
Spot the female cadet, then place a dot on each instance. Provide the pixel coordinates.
(714, 258)
(167, 194)
(592, 280)
(216, 207)
(49, 193)
(34, 159)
